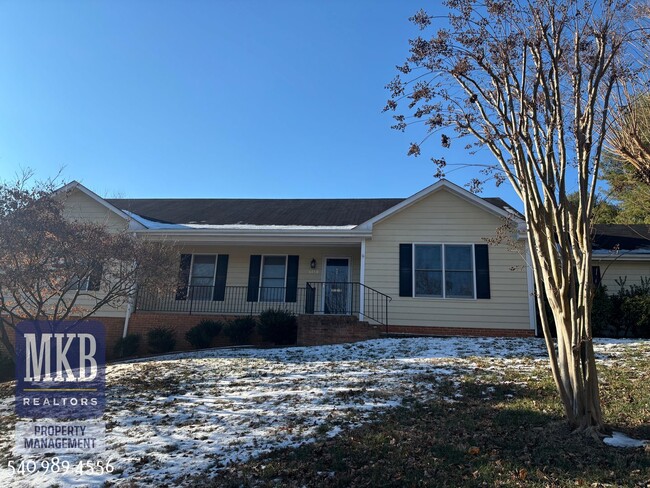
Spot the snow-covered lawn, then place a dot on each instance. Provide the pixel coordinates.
(191, 413)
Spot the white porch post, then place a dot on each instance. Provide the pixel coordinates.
(362, 280)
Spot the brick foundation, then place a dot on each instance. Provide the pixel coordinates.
(459, 331)
(312, 330)
(316, 330)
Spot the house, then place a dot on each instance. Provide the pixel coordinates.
(621, 255)
(350, 268)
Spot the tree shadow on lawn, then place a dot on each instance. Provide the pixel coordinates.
(495, 435)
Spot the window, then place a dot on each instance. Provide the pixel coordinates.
(459, 271)
(202, 276)
(92, 281)
(595, 271)
(448, 264)
(273, 277)
(428, 271)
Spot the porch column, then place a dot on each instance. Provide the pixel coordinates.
(362, 280)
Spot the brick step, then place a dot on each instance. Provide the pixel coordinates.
(316, 330)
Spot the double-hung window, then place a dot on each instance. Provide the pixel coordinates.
(202, 276)
(273, 278)
(443, 270)
(428, 270)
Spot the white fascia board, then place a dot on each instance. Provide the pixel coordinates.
(255, 236)
(75, 185)
(622, 256)
(439, 185)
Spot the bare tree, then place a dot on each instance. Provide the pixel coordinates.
(53, 268)
(628, 139)
(531, 81)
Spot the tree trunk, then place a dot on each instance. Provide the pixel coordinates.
(571, 356)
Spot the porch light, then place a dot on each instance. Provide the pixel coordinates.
(313, 263)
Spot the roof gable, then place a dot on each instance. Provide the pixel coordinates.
(493, 205)
(75, 185)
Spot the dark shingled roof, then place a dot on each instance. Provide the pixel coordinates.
(624, 237)
(308, 212)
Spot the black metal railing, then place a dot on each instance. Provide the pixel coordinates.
(345, 298)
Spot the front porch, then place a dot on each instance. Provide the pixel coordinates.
(316, 298)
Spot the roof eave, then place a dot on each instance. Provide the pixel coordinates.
(643, 255)
(275, 236)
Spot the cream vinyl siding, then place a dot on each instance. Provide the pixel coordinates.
(444, 218)
(80, 207)
(612, 270)
(239, 260)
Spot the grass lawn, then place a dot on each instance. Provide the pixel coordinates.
(503, 430)
(389, 412)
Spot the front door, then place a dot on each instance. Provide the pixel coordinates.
(337, 286)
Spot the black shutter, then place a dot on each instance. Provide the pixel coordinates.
(406, 270)
(95, 278)
(183, 277)
(220, 281)
(292, 279)
(482, 270)
(254, 277)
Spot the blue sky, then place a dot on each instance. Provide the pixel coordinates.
(248, 99)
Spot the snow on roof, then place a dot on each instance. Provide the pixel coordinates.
(154, 225)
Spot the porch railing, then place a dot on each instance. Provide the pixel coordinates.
(346, 298)
(349, 297)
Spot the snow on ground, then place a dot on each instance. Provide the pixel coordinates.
(191, 413)
(618, 439)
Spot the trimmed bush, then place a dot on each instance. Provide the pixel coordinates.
(200, 336)
(161, 340)
(636, 309)
(625, 313)
(278, 326)
(240, 329)
(127, 346)
(7, 367)
(601, 313)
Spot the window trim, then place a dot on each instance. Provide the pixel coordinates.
(284, 287)
(444, 271)
(214, 274)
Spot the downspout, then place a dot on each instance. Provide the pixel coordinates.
(129, 310)
(362, 280)
(129, 304)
